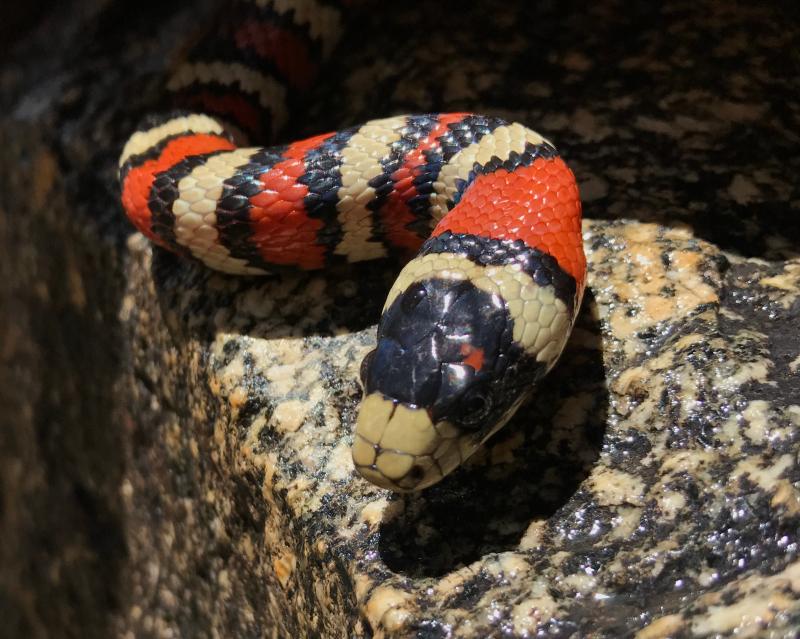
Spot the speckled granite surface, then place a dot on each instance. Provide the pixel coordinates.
(176, 459)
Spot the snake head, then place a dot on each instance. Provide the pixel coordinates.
(461, 343)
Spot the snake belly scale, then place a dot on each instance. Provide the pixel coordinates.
(487, 208)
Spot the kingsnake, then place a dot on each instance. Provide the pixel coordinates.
(492, 212)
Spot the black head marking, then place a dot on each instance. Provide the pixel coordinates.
(447, 346)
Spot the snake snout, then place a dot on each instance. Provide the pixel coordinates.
(398, 447)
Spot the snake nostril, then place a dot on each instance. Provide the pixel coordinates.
(416, 472)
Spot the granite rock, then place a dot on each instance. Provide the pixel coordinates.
(175, 460)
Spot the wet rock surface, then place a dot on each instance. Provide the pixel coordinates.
(176, 459)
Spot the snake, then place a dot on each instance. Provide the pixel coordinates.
(485, 211)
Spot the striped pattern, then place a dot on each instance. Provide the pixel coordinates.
(256, 61)
(362, 161)
(323, 22)
(142, 144)
(286, 51)
(195, 211)
(270, 93)
(503, 141)
(409, 174)
(334, 197)
(472, 322)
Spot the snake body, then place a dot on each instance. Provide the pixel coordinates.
(489, 210)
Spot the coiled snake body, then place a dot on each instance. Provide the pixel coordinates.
(480, 313)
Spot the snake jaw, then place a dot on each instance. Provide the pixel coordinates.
(398, 447)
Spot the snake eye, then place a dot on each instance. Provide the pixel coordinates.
(412, 296)
(365, 364)
(474, 407)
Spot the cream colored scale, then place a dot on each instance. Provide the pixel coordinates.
(195, 211)
(271, 93)
(361, 161)
(499, 143)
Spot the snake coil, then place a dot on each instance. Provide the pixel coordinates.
(488, 207)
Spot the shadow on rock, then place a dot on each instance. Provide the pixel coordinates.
(529, 470)
(342, 298)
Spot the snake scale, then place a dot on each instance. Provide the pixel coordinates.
(486, 209)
